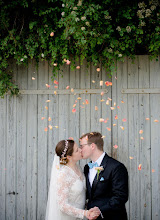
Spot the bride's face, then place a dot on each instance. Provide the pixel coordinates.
(77, 153)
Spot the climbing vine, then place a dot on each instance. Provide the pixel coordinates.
(61, 31)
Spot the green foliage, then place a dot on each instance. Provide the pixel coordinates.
(7, 84)
(56, 30)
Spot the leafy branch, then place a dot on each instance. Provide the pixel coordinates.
(56, 30)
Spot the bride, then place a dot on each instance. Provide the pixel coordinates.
(66, 198)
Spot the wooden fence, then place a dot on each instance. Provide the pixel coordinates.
(27, 150)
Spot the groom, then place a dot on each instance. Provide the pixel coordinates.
(107, 190)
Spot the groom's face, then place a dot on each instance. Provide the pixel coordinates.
(86, 148)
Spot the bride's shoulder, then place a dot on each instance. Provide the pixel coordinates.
(64, 170)
(61, 172)
(65, 175)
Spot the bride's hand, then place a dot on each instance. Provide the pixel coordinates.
(93, 213)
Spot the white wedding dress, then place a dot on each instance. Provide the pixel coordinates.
(67, 194)
(71, 194)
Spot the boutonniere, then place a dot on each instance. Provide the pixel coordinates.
(99, 169)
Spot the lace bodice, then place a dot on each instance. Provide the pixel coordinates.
(71, 193)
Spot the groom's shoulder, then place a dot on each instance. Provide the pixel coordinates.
(115, 163)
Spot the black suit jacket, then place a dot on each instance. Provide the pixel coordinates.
(110, 191)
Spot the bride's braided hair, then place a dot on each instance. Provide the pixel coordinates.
(63, 149)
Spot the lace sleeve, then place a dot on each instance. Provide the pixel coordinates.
(63, 185)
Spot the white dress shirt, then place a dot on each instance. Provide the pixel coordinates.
(92, 172)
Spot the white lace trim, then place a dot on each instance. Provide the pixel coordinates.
(71, 193)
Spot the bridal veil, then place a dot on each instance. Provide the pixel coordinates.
(52, 211)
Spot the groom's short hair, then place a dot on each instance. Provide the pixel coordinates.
(94, 137)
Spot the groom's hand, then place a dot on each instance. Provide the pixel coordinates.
(93, 213)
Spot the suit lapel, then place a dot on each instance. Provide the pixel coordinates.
(86, 171)
(103, 164)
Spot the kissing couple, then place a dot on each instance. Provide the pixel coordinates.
(103, 184)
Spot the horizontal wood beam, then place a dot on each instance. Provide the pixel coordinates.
(141, 91)
(62, 92)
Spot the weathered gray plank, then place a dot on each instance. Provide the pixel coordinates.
(122, 113)
(85, 116)
(61, 92)
(145, 159)
(32, 75)
(22, 76)
(120, 137)
(155, 138)
(3, 126)
(11, 159)
(114, 122)
(53, 133)
(143, 91)
(11, 152)
(122, 101)
(32, 149)
(73, 120)
(96, 125)
(21, 145)
(64, 104)
(106, 112)
(133, 131)
(43, 79)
